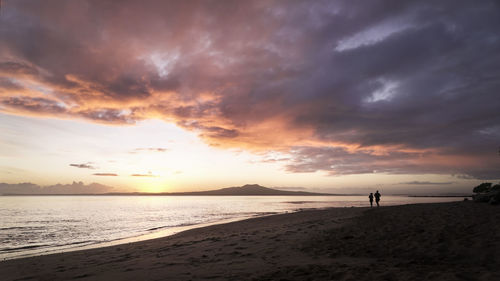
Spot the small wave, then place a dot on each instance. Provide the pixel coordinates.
(12, 228)
(27, 247)
(264, 214)
(298, 202)
(169, 226)
(79, 242)
(306, 202)
(22, 228)
(156, 228)
(53, 221)
(31, 247)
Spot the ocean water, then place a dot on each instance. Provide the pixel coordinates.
(34, 225)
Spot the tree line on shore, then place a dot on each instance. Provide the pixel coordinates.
(487, 192)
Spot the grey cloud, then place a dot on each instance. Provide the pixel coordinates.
(8, 85)
(83, 166)
(214, 132)
(35, 105)
(108, 115)
(427, 183)
(9, 67)
(339, 161)
(105, 174)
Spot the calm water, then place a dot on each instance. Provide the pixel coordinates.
(33, 225)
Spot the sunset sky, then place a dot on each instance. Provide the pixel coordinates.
(331, 96)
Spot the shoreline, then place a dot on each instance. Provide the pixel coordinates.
(127, 240)
(435, 241)
(146, 234)
(164, 233)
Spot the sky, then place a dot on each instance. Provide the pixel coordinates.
(330, 96)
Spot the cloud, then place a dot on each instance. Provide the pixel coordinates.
(341, 161)
(148, 174)
(83, 166)
(105, 174)
(274, 160)
(143, 175)
(149, 149)
(415, 80)
(427, 183)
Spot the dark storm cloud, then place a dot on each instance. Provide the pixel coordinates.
(9, 67)
(343, 87)
(340, 161)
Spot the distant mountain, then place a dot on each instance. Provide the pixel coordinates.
(79, 188)
(57, 189)
(248, 189)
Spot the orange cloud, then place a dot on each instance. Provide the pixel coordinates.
(248, 75)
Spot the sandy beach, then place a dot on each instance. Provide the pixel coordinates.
(444, 241)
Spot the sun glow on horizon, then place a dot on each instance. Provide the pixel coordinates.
(153, 156)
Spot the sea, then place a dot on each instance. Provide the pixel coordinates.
(38, 225)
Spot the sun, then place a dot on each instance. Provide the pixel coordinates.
(152, 185)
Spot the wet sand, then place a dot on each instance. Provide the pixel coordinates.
(444, 241)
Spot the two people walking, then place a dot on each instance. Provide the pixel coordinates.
(377, 198)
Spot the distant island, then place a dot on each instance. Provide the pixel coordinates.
(78, 188)
(245, 190)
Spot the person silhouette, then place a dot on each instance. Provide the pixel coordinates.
(371, 199)
(377, 197)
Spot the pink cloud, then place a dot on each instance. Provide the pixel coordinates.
(270, 76)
